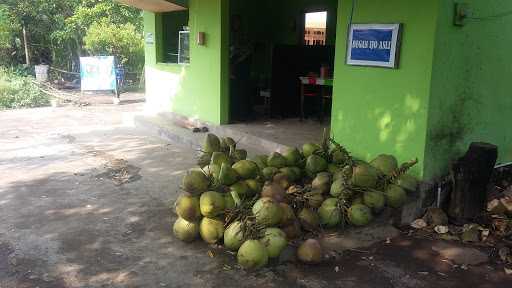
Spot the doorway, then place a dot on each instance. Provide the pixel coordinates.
(272, 46)
(315, 28)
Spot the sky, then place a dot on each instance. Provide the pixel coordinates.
(316, 19)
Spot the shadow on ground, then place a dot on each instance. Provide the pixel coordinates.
(65, 222)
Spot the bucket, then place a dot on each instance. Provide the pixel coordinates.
(42, 73)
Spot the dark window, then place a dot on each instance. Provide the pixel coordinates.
(175, 40)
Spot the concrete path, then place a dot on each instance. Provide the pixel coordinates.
(84, 202)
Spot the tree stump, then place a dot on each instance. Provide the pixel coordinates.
(472, 174)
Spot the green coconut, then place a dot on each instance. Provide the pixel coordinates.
(359, 215)
(233, 236)
(293, 156)
(211, 144)
(252, 255)
(330, 213)
(274, 191)
(187, 207)
(246, 169)
(204, 159)
(276, 160)
(241, 189)
(338, 175)
(315, 164)
(310, 252)
(240, 154)
(364, 175)
(269, 172)
(274, 240)
(219, 158)
(282, 179)
(261, 161)
(297, 171)
(227, 175)
(374, 200)
(309, 219)
(408, 182)
(267, 212)
(254, 186)
(339, 189)
(229, 202)
(332, 168)
(195, 182)
(387, 164)
(228, 142)
(343, 173)
(309, 149)
(288, 214)
(292, 173)
(314, 198)
(212, 170)
(185, 231)
(212, 204)
(211, 230)
(339, 156)
(322, 182)
(395, 196)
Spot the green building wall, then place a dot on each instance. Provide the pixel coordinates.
(452, 86)
(199, 90)
(471, 87)
(379, 110)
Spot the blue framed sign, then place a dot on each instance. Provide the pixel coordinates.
(374, 45)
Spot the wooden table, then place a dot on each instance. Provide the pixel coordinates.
(314, 81)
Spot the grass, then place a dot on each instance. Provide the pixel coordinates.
(18, 91)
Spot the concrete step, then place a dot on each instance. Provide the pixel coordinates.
(162, 125)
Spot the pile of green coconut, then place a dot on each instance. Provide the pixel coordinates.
(257, 207)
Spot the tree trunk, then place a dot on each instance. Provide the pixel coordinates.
(472, 174)
(25, 43)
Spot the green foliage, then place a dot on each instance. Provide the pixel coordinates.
(19, 91)
(123, 41)
(7, 37)
(4, 28)
(56, 28)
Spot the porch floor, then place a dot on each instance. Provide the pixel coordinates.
(287, 132)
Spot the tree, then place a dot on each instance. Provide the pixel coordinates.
(55, 28)
(7, 37)
(37, 19)
(120, 40)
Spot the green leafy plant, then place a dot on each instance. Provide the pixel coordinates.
(122, 41)
(20, 92)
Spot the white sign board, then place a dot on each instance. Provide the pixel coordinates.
(97, 73)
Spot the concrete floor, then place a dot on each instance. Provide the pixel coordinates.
(65, 223)
(288, 132)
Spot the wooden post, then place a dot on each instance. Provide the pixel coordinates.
(25, 43)
(472, 174)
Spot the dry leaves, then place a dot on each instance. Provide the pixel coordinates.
(419, 224)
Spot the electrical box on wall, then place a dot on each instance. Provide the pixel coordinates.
(461, 14)
(201, 38)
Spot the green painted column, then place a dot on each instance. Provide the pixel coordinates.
(199, 90)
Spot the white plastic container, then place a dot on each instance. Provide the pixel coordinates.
(42, 73)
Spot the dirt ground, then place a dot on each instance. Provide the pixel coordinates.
(84, 202)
